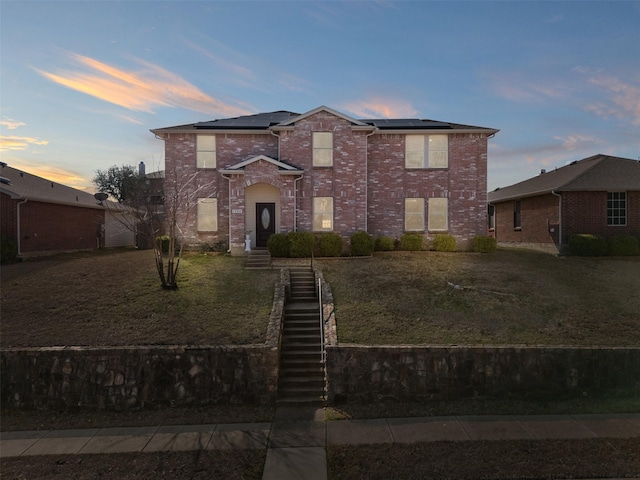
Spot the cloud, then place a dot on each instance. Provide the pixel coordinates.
(13, 143)
(144, 90)
(519, 87)
(377, 107)
(12, 124)
(577, 142)
(622, 99)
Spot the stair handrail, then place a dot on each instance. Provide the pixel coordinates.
(322, 353)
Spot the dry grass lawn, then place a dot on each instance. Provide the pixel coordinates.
(510, 297)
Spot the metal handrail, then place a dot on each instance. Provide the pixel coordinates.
(322, 353)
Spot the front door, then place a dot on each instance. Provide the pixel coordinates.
(265, 222)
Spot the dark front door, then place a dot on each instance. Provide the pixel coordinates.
(265, 222)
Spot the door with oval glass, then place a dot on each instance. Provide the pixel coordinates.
(265, 222)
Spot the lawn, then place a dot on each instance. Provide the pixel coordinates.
(510, 297)
(114, 298)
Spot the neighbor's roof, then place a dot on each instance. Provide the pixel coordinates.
(282, 119)
(596, 173)
(25, 186)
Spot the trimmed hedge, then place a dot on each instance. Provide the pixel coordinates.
(444, 243)
(301, 244)
(484, 244)
(384, 244)
(328, 244)
(586, 245)
(361, 244)
(623, 245)
(278, 245)
(411, 242)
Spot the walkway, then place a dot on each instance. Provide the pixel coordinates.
(297, 438)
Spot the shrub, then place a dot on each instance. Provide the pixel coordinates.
(300, 244)
(484, 244)
(8, 249)
(329, 244)
(623, 245)
(587, 245)
(278, 245)
(361, 244)
(444, 243)
(384, 244)
(411, 242)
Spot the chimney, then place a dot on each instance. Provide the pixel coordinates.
(141, 170)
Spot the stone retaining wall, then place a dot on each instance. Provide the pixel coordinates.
(365, 374)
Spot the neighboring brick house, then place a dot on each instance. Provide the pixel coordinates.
(597, 195)
(323, 171)
(44, 217)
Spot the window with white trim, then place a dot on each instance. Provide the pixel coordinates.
(207, 215)
(322, 214)
(206, 151)
(426, 151)
(438, 214)
(322, 149)
(414, 214)
(616, 208)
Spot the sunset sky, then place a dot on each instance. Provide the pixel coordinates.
(83, 82)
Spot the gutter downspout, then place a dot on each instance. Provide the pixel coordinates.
(553, 192)
(229, 214)
(19, 232)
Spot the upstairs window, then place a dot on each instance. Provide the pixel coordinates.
(616, 208)
(206, 151)
(207, 215)
(438, 214)
(322, 149)
(414, 214)
(426, 151)
(322, 214)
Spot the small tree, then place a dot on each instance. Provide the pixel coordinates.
(124, 183)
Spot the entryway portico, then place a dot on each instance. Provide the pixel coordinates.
(262, 200)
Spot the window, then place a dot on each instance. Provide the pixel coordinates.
(438, 214)
(491, 215)
(206, 151)
(207, 214)
(426, 151)
(517, 214)
(616, 208)
(322, 214)
(322, 149)
(414, 214)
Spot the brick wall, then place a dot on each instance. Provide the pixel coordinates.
(8, 216)
(538, 214)
(47, 227)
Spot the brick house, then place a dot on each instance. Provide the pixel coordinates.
(323, 171)
(44, 217)
(597, 195)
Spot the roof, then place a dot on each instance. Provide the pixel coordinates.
(284, 168)
(282, 118)
(21, 185)
(596, 173)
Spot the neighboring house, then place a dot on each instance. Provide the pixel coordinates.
(597, 195)
(323, 171)
(45, 217)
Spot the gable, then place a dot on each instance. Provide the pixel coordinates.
(283, 167)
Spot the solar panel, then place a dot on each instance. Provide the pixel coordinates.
(258, 121)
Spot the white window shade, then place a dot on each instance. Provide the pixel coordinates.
(207, 215)
(414, 214)
(438, 214)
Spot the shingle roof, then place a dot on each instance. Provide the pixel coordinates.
(23, 185)
(596, 173)
(265, 121)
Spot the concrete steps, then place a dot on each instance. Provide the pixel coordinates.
(258, 260)
(302, 378)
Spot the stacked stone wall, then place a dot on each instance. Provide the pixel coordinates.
(410, 373)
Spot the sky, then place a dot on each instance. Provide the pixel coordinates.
(83, 82)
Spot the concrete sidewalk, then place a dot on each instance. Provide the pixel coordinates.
(297, 438)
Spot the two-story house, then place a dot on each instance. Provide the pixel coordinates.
(323, 171)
